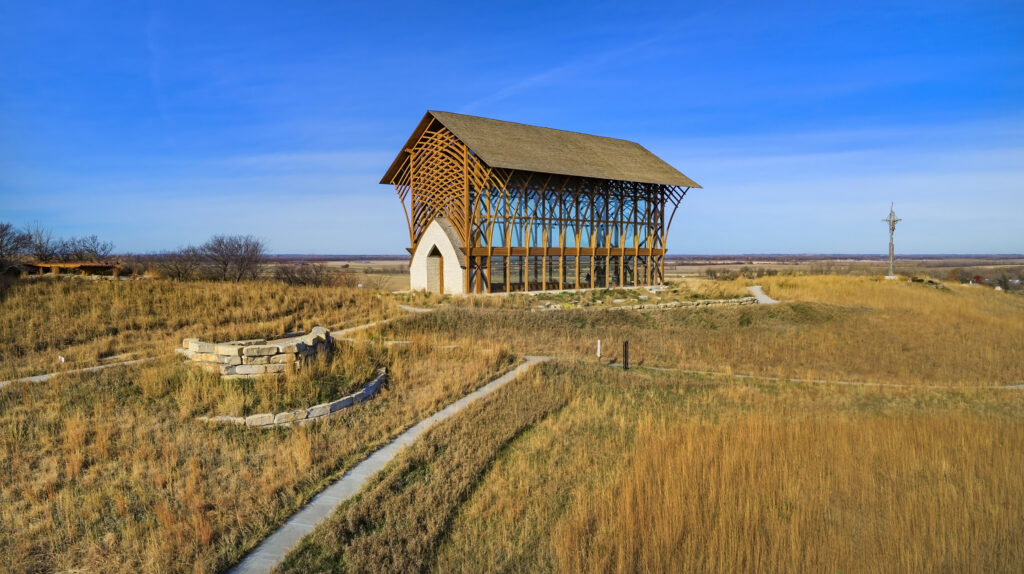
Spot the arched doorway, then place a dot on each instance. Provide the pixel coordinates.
(435, 271)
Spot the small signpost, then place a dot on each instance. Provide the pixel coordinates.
(625, 355)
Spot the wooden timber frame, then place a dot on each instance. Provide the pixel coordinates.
(531, 231)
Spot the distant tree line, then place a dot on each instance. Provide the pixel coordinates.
(37, 244)
(243, 257)
(746, 272)
(222, 258)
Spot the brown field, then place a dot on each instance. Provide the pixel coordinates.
(86, 321)
(111, 471)
(578, 466)
(829, 327)
(650, 472)
(399, 519)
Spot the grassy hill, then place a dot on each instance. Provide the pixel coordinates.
(678, 464)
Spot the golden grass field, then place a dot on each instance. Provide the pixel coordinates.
(828, 327)
(575, 467)
(86, 321)
(651, 472)
(111, 471)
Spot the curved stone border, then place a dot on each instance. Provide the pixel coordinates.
(670, 305)
(308, 415)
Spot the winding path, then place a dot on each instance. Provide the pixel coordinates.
(275, 547)
(48, 376)
(760, 296)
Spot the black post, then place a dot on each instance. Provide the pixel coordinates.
(625, 355)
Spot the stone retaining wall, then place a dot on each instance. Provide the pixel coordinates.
(698, 303)
(257, 357)
(308, 415)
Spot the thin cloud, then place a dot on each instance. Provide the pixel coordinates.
(558, 74)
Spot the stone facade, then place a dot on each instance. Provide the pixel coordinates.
(438, 260)
(257, 357)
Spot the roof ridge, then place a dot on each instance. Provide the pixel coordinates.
(434, 112)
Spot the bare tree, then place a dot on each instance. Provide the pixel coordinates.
(234, 257)
(13, 246)
(318, 274)
(85, 249)
(42, 246)
(180, 265)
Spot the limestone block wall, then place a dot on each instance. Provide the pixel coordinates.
(257, 357)
(615, 304)
(307, 415)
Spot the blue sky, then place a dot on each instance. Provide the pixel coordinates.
(154, 125)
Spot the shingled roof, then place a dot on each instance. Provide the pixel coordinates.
(523, 147)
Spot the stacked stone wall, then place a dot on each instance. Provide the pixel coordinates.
(307, 415)
(672, 304)
(258, 357)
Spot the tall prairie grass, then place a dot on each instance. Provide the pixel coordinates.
(396, 524)
(917, 492)
(832, 327)
(111, 472)
(657, 472)
(86, 321)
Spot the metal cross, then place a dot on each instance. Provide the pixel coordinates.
(892, 221)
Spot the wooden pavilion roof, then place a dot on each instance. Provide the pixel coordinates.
(510, 145)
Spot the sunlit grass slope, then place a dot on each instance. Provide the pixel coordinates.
(396, 523)
(111, 472)
(835, 328)
(655, 472)
(85, 321)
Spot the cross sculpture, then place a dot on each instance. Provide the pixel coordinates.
(892, 221)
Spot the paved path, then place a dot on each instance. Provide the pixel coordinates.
(350, 330)
(273, 549)
(48, 376)
(414, 309)
(760, 296)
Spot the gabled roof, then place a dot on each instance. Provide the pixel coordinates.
(449, 230)
(522, 147)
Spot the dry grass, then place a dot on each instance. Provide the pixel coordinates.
(853, 329)
(395, 525)
(111, 471)
(86, 321)
(650, 472)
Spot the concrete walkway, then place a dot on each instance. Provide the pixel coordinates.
(48, 376)
(273, 549)
(760, 296)
(350, 330)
